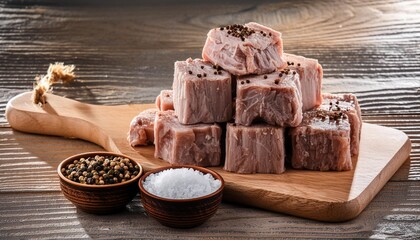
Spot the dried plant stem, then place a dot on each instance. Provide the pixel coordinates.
(55, 73)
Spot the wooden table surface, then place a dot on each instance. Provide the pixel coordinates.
(124, 53)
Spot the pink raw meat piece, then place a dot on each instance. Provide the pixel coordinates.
(201, 92)
(321, 142)
(310, 73)
(273, 98)
(165, 101)
(141, 128)
(255, 149)
(346, 104)
(245, 49)
(176, 143)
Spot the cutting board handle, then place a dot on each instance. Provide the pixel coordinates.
(59, 117)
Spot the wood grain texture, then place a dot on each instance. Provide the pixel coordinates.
(124, 51)
(326, 196)
(50, 215)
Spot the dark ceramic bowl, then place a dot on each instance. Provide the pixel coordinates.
(181, 213)
(99, 199)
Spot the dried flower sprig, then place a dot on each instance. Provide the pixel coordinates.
(56, 72)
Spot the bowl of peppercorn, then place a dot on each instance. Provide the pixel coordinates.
(99, 182)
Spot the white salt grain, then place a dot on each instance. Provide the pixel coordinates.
(181, 183)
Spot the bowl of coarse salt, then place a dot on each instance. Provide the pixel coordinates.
(181, 196)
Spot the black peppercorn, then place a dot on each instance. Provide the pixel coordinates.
(90, 181)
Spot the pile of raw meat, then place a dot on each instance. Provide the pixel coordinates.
(250, 106)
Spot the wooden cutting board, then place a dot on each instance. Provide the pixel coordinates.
(325, 196)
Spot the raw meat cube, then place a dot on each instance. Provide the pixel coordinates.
(202, 92)
(165, 101)
(310, 73)
(274, 98)
(346, 104)
(245, 49)
(321, 142)
(141, 128)
(175, 143)
(255, 149)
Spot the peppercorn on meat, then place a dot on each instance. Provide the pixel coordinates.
(245, 49)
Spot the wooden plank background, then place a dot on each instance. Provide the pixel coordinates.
(124, 53)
